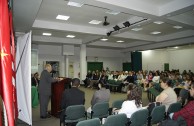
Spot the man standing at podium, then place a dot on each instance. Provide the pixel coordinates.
(45, 90)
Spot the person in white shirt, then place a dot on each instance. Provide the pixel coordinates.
(132, 104)
(156, 78)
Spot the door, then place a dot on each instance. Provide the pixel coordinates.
(127, 67)
(166, 66)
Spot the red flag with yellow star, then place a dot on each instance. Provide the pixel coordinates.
(13, 65)
(6, 87)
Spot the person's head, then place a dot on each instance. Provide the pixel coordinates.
(75, 82)
(134, 95)
(165, 82)
(36, 75)
(48, 67)
(100, 85)
(130, 87)
(192, 90)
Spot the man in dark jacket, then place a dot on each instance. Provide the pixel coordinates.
(45, 90)
(72, 96)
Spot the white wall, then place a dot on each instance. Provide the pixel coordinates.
(51, 53)
(182, 60)
(177, 59)
(154, 60)
(111, 58)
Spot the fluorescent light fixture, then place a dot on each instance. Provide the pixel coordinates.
(70, 36)
(95, 22)
(158, 22)
(155, 32)
(176, 47)
(137, 29)
(46, 34)
(62, 17)
(112, 12)
(103, 39)
(177, 27)
(74, 4)
(120, 41)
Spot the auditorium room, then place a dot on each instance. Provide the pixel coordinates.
(97, 63)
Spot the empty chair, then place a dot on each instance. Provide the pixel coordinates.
(117, 104)
(90, 122)
(74, 114)
(157, 114)
(116, 120)
(174, 107)
(139, 118)
(99, 110)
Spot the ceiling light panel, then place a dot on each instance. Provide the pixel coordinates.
(120, 41)
(177, 27)
(70, 36)
(62, 17)
(155, 33)
(137, 29)
(158, 22)
(95, 22)
(46, 34)
(112, 12)
(74, 4)
(104, 39)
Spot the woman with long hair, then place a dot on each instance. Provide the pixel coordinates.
(133, 102)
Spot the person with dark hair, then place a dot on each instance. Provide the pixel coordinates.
(101, 95)
(133, 102)
(35, 79)
(168, 95)
(187, 112)
(73, 96)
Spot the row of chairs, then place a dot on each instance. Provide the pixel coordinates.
(76, 113)
(139, 118)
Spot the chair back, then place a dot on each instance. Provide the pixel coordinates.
(116, 120)
(111, 82)
(174, 107)
(90, 122)
(157, 114)
(75, 112)
(100, 110)
(139, 118)
(117, 104)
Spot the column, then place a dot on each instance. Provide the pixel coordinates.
(83, 63)
(66, 66)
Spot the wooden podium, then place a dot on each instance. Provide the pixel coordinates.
(57, 90)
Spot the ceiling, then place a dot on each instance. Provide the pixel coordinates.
(40, 16)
